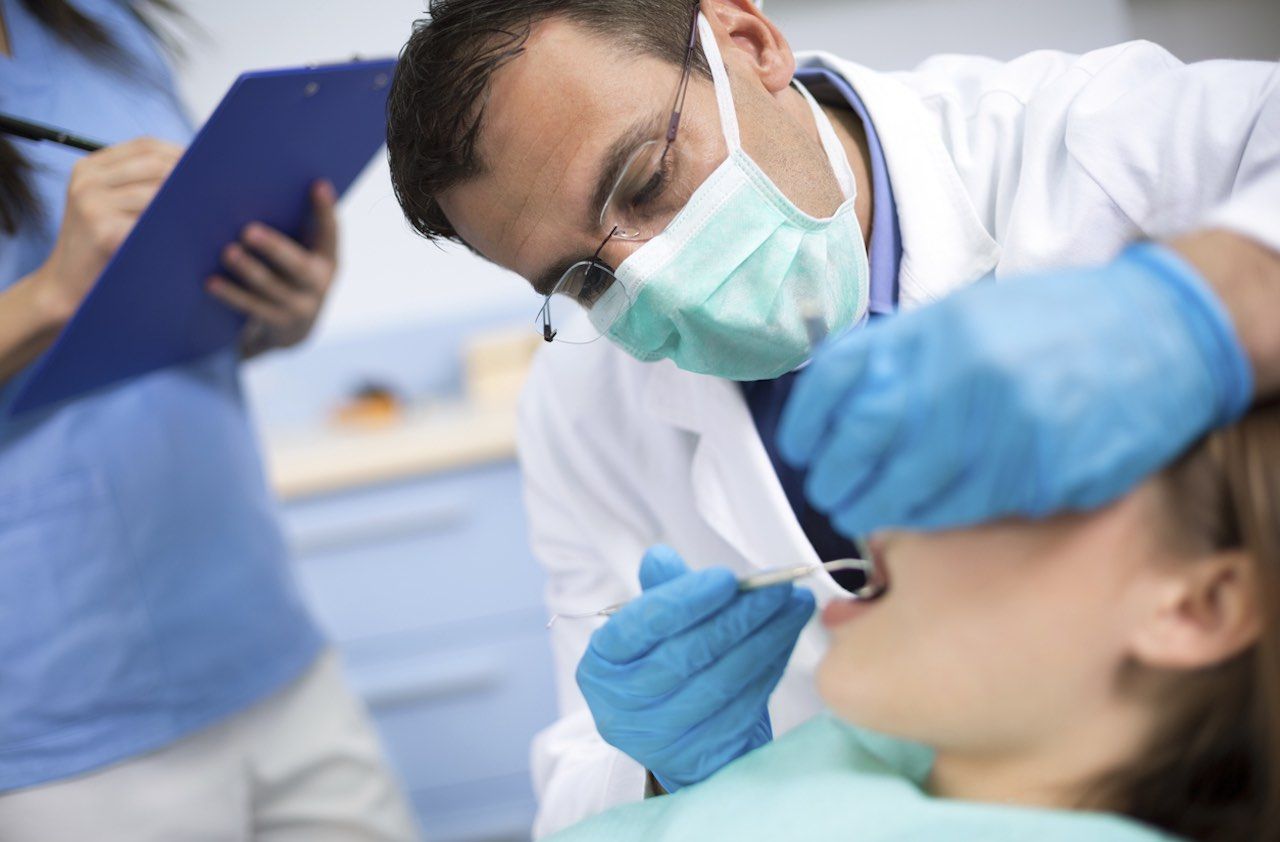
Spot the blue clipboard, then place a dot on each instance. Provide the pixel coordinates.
(274, 133)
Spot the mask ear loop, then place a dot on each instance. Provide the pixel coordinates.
(720, 80)
(830, 144)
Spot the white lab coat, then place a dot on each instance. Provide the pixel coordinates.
(997, 169)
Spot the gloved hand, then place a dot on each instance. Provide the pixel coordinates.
(680, 677)
(1059, 391)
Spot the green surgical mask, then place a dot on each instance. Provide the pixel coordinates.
(725, 289)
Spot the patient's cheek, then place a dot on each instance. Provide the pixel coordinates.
(828, 676)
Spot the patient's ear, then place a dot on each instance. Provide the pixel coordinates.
(1203, 612)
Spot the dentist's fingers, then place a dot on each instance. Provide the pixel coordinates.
(660, 564)
(898, 486)
(755, 694)
(675, 660)
(723, 681)
(820, 391)
(855, 447)
(662, 612)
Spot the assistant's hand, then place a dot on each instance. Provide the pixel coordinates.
(108, 191)
(679, 679)
(283, 284)
(1060, 391)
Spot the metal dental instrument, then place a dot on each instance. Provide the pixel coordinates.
(767, 579)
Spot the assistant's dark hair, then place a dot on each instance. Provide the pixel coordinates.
(18, 203)
(437, 102)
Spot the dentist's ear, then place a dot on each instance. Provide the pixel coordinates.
(757, 43)
(1203, 613)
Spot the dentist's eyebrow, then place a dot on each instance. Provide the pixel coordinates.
(547, 280)
(614, 159)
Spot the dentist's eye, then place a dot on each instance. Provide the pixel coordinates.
(653, 187)
(646, 195)
(595, 283)
(651, 190)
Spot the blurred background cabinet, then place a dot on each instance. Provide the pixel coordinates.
(410, 546)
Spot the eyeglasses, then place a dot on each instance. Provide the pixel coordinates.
(642, 201)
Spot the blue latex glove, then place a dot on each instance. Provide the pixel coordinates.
(680, 677)
(1059, 391)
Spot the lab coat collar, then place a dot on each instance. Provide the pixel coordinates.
(734, 486)
(945, 246)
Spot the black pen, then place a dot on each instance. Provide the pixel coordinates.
(35, 131)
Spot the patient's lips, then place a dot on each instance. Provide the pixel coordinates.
(840, 611)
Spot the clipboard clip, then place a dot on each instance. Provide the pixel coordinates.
(379, 82)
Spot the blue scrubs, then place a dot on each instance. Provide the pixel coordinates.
(144, 591)
(766, 398)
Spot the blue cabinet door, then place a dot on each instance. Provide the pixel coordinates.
(435, 602)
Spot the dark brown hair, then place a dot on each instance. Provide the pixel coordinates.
(18, 203)
(1213, 770)
(436, 105)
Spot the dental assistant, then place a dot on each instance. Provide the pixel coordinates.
(160, 678)
(697, 211)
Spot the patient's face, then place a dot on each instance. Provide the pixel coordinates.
(992, 637)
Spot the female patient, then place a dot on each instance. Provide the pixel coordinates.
(1105, 676)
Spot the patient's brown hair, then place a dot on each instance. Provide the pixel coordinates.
(1213, 771)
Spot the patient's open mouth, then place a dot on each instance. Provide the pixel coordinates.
(869, 580)
(862, 594)
(878, 582)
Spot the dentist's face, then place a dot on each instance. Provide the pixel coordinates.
(561, 120)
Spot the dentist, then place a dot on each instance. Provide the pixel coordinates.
(693, 189)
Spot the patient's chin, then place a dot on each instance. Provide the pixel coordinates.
(864, 691)
(842, 692)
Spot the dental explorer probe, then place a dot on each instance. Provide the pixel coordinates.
(767, 579)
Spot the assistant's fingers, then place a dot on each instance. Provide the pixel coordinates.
(662, 612)
(246, 302)
(260, 277)
(324, 201)
(139, 147)
(148, 167)
(295, 263)
(133, 199)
